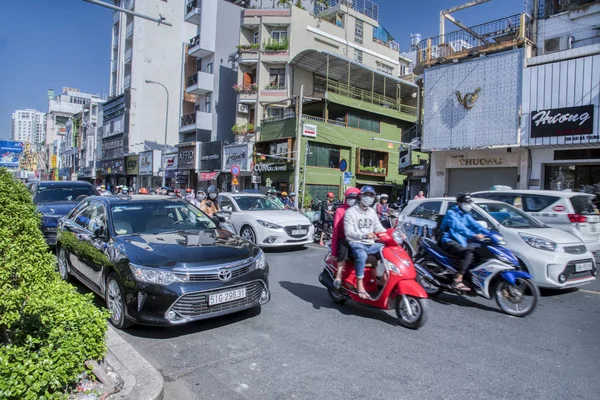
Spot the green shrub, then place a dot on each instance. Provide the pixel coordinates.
(47, 329)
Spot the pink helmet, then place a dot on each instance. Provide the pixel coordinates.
(351, 192)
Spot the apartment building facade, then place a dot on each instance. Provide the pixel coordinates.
(347, 66)
(29, 126)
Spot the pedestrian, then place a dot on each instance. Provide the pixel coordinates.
(420, 196)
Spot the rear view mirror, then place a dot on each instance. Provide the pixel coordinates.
(484, 224)
(228, 209)
(99, 232)
(222, 216)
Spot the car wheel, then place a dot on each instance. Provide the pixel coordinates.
(115, 302)
(61, 265)
(248, 234)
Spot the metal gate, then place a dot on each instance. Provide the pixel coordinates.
(474, 179)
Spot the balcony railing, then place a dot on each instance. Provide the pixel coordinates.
(191, 5)
(491, 36)
(275, 86)
(390, 43)
(188, 119)
(195, 41)
(365, 7)
(192, 79)
(322, 85)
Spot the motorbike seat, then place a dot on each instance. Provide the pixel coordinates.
(437, 248)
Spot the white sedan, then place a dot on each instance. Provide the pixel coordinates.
(259, 220)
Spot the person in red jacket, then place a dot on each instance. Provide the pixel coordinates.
(339, 245)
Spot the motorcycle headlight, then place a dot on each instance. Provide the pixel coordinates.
(538, 242)
(154, 275)
(261, 261)
(398, 236)
(499, 239)
(389, 265)
(268, 224)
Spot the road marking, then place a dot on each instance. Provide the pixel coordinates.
(317, 247)
(589, 291)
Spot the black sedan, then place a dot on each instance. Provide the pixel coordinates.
(158, 260)
(54, 199)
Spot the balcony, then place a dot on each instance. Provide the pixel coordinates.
(276, 51)
(274, 92)
(128, 55)
(490, 37)
(200, 83)
(248, 54)
(198, 120)
(193, 12)
(365, 99)
(199, 48)
(270, 16)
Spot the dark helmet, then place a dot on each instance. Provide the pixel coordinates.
(367, 189)
(212, 189)
(464, 198)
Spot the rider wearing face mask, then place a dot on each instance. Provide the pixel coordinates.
(360, 225)
(457, 227)
(339, 244)
(209, 205)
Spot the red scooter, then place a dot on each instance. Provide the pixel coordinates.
(397, 288)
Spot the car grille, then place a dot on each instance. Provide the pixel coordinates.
(214, 276)
(196, 304)
(289, 229)
(579, 275)
(580, 249)
(569, 271)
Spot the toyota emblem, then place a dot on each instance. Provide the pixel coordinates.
(224, 275)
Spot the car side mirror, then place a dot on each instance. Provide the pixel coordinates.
(222, 216)
(484, 224)
(228, 209)
(99, 232)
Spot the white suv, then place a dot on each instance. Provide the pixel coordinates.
(573, 212)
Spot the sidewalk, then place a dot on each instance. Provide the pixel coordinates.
(142, 380)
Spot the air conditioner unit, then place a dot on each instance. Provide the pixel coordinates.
(243, 108)
(557, 44)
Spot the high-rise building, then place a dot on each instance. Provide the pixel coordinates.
(29, 126)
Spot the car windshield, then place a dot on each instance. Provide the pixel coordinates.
(157, 217)
(509, 216)
(46, 194)
(583, 205)
(256, 203)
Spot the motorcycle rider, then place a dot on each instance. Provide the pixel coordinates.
(285, 200)
(360, 225)
(200, 195)
(326, 215)
(143, 191)
(209, 205)
(457, 227)
(383, 210)
(291, 202)
(339, 244)
(272, 193)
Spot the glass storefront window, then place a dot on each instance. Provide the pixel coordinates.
(323, 155)
(578, 178)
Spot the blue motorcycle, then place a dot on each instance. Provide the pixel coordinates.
(495, 272)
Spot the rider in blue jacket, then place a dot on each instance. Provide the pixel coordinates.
(458, 226)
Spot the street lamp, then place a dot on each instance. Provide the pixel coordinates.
(164, 178)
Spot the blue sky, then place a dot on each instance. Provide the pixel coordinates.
(54, 43)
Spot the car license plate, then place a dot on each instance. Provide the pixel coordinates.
(225, 297)
(586, 266)
(299, 231)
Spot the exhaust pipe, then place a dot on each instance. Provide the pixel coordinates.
(326, 280)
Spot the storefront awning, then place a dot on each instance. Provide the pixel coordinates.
(208, 176)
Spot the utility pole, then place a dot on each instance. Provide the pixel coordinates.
(304, 173)
(160, 20)
(298, 143)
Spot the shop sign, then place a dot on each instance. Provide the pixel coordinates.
(568, 121)
(309, 130)
(131, 165)
(270, 167)
(255, 178)
(145, 164)
(169, 161)
(210, 155)
(113, 166)
(186, 157)
(480, 161)
(477, 159)
(235, 155)
(182, 177)
(53, 162)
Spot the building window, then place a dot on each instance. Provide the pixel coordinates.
(320, 191)
(209, 68)
(358, 32)
(372, 162)
(276, 79)
(279, 36)
(323, 155)
(385, 68)
(275, 112)
(207, 101)
(255, 37)
(358, 55)
(364, 123)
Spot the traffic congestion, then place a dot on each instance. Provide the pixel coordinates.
(170, 256)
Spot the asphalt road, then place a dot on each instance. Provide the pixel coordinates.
(302, 346)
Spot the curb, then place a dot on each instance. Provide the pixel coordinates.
(141, 380)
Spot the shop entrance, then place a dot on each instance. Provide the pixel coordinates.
(474, 179)
(579, 178)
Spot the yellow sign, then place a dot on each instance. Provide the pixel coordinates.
(53, 165)
(235, 181)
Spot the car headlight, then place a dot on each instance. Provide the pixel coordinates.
(260, 262)
(538, 242)
(398, 236)
(268, 224)
(154, 275)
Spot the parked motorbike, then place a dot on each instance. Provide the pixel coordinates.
(396, 288)
(495, 273)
